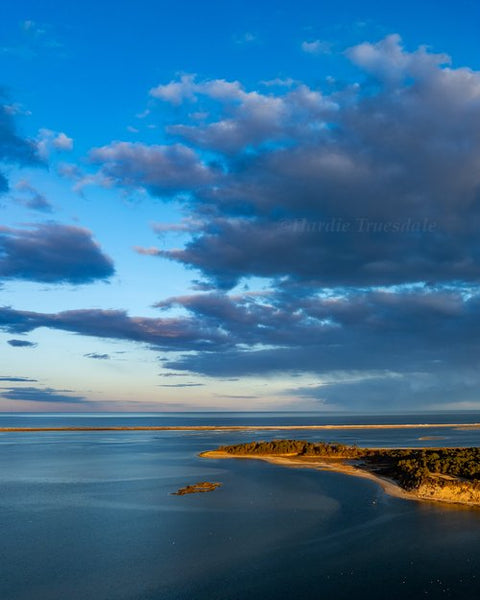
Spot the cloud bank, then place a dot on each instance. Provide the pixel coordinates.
(52, 253)
(358, 204)
(396, 346)
(375, 183)
(36, 394)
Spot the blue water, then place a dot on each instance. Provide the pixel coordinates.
(90, 516)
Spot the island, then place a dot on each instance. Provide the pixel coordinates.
(449, 475)
(201, 486)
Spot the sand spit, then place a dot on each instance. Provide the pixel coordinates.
(322, 464)
(455, 494)
(245, 427)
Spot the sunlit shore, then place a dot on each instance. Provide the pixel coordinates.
(380, 465)
(337, 465)
(246, 427)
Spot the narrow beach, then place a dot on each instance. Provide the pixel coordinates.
(337, 465)
(247, 427)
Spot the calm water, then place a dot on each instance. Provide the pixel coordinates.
(89, 516)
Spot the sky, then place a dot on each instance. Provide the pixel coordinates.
(236, 205)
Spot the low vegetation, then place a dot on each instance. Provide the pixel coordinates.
(409, 467)
(412, 468)
(294, 447)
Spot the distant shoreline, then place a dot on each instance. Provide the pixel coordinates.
(245, 427)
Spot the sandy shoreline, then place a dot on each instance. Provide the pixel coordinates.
(321, 464)
(389, 486)
(245, 427)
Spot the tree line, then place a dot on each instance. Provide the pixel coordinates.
(410, 467)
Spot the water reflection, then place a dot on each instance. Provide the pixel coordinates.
(90, 516)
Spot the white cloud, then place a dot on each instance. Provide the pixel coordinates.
(176, 92)
(62, 142)
(246, 38)
(161, 169)
(239, 118)
(49, 140)
(388, 60)
(317, 47)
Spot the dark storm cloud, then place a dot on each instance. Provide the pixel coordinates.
(13, 148)
(52, 253)
(34, 394)
(21, 343)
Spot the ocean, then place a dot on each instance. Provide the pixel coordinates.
(91, 515)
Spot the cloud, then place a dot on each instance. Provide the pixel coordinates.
(32, 27)
(246, 318)
(404, 348)
(373, 184)
(35, 394)
(16, 109)
(249, 330)
(180, 385)
(245, 38)
(162, 170)
(52, 253)
(236, 396)
(17, 379)
(235, 119)
(14, 149)
(62, 142)
(49, 141)
(421, 342)
(172, 374)
(97, 356)
(32, 198)
(357, 205)
(388, 62)
(279, 82)
(168, 333)
(390, 391)
(176, 91)
(35, 39)
(317, 47)
(187, 224)
(251, 119)
(21, 343)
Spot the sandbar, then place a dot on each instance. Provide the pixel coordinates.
(464, 426)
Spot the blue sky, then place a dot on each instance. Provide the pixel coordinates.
(239, 205)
